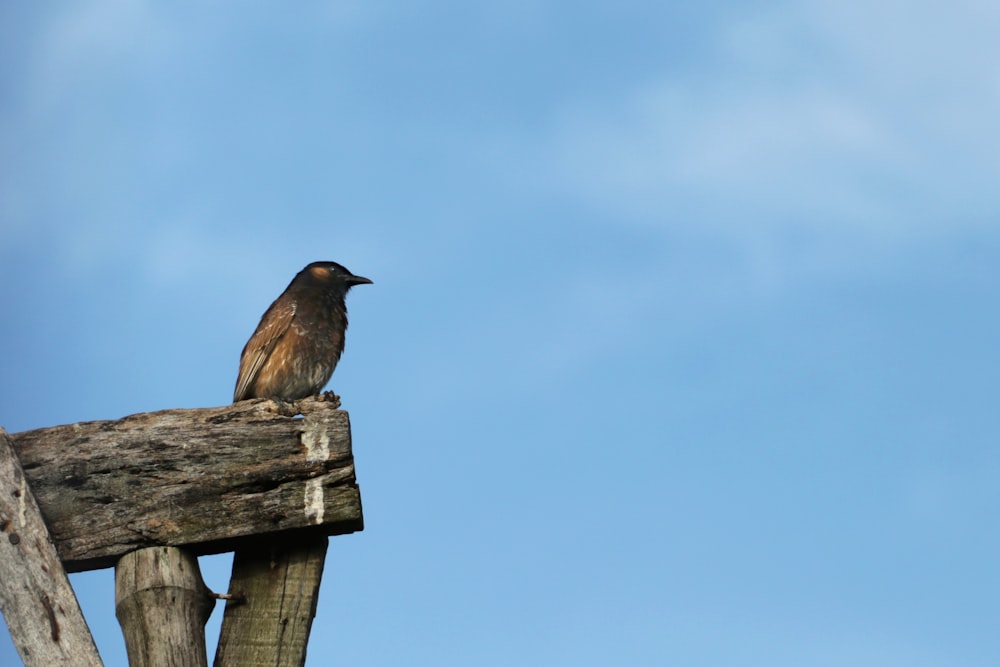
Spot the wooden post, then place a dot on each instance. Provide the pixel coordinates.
(37, 601)
(162, 604)
(280, 583)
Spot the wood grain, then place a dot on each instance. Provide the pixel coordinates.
(162, 604)
(39, 605)
(278, 586)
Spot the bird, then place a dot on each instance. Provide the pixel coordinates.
(294, 350)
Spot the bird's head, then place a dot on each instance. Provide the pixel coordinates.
(329, 275)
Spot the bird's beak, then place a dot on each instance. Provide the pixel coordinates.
(358, 280)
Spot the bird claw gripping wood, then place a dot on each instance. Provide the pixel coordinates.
(330, 397)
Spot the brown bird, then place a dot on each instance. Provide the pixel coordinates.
(300, 338)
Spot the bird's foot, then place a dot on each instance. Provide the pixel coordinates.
(330, 397)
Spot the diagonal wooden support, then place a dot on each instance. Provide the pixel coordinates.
(37, 601)
(280, 584)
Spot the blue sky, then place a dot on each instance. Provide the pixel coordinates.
(681, 347)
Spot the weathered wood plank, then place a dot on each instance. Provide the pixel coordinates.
(162, 604)
(278, 584)
(206, 479)
(36, 599)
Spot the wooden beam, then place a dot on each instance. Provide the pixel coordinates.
(207, 479)
(162, 604)
(37, 601)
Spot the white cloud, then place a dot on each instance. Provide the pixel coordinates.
(786, 154)
(806, 119)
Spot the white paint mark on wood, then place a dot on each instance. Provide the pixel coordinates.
(316, 441)
(314, 501)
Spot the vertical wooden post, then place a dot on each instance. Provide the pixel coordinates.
(162, 604)
(37, 601)
(280, 583)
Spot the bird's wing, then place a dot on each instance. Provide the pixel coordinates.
(272, 327)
